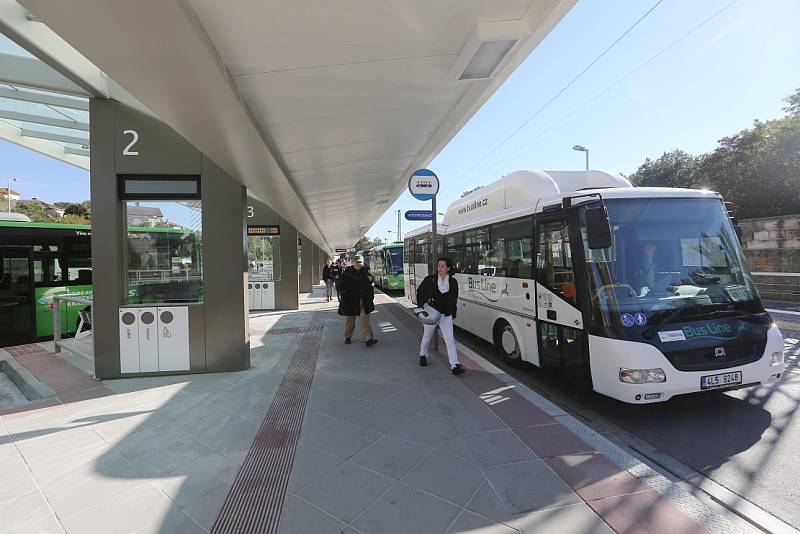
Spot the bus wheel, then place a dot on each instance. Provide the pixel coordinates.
(505, 340)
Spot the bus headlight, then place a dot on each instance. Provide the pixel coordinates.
(776, 357)
(641, 376)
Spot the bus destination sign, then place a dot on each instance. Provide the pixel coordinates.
(263, 229)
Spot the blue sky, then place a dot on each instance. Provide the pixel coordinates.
(736, 68)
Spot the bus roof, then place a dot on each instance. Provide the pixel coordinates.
(424, 230)
(527, 192)
(87, 227)
(387, 245)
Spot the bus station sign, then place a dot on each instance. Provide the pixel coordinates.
(423, 185)
(419, 215)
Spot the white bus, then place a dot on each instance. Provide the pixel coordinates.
(417, 256)
(639, 293)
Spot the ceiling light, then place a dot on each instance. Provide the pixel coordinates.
(486, 59)
(486, 48)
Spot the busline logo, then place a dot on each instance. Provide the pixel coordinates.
(475, 204)
(488, 289)
(723, 331)
(423, 184)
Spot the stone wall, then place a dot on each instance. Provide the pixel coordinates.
(772, 245)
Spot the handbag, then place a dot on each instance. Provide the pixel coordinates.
(428, 314)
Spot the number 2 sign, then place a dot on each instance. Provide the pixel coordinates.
(127, 151)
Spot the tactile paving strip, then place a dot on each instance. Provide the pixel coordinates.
(21, 350)
(255, 500)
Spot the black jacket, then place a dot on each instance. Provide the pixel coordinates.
(326, 273)
(428, 292)
(355, 289)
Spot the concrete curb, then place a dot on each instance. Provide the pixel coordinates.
(29, 385)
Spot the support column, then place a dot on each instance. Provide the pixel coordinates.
(286, 289)
(306, 262)
(316, 273)
(129, 143)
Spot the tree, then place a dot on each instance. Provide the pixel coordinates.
(758, 168)
(364, 244)
(34, 210)
(82, 209)
(671, 169)
(72, 219)
(793, 104)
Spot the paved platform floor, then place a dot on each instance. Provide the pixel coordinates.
(316, 437)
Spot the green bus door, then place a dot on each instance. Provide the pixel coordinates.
(16, 296)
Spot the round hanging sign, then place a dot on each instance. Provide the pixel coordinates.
(423, 184)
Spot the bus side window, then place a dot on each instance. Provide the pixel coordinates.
(554, 259)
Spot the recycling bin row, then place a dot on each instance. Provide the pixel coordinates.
(154, 339)
(261, 295)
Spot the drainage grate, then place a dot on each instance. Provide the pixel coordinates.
(255, 500)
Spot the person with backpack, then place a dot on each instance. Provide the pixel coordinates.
(357, 299)
(440, 292)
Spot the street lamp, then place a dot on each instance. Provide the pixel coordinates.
(580, 148)
(8, 191)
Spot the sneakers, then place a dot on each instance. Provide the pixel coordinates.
(371, 342)
(347, 341)
(423, 361)
(459, 369)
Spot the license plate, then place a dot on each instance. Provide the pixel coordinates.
(721, 380)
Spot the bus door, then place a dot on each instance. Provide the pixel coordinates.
(560, 330)
(17, 324)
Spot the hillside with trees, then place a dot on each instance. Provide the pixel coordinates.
(758, 169)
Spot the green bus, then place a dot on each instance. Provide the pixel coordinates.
(386, 265)
(41, 260)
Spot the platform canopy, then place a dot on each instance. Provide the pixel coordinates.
(321, 108)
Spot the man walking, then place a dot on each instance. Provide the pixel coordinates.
(328, 279)
(357, 297)
(336, 274)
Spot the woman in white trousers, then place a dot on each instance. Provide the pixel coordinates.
(440, 291)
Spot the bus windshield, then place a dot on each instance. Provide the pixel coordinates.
(671, 259)
(394, 260)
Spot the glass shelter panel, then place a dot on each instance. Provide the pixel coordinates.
(263, 257)
(164, 252)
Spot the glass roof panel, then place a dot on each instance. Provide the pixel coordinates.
(43, 92)
(45, 128)
(7, 46)
(76, 114)
(33, 108)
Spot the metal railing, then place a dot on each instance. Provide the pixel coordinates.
(79, 344)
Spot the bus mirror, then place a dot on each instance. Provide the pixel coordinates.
(598, 229)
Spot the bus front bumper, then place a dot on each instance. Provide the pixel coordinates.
(619, 354)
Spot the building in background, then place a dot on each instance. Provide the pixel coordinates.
(142, 216)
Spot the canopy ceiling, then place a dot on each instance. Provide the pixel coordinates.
(322, 109)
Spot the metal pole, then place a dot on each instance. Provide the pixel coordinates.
(434, 236)
(399, 234)
(8, 195)
(434, 239)
(587, 159)
(57, 324)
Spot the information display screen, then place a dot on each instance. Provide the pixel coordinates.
(263, 229)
